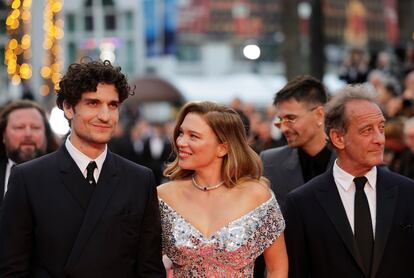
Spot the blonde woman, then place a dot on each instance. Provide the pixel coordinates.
(217, 212)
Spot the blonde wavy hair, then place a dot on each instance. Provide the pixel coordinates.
(241, 163)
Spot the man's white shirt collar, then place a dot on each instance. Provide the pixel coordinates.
(346, 189)
(345, 180)
(83, 160)
(9, 166)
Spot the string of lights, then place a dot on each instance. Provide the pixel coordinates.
(53, 30)
(18, 47)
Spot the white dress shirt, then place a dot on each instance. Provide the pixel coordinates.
(83, 160)
(346, 188)
(156, 145)
(10, 164)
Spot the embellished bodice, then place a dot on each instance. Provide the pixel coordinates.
(229, 252)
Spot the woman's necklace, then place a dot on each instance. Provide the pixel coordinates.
(204, 187)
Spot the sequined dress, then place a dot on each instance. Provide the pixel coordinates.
(229, 252)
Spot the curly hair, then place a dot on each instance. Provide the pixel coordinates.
(85, 76)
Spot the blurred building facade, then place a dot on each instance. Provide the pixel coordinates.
(221, 24)
(171, 38)
(226, 27)
(105, 29)
(406, 20)
(369, 24)
(3, 40)
(72, 30)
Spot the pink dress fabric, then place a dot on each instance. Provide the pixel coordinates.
(229, 252)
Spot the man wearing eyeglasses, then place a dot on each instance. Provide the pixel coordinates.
(300, 117)
(356, 219)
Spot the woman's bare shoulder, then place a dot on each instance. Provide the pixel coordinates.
(166, 188)
(170, 189)
(255, 192)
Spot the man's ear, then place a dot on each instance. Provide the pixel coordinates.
(320, 114)
(68, 110)
(337, 138)
(222, 150)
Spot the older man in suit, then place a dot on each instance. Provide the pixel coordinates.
(300, 117)
(83, 211)
(355, 220)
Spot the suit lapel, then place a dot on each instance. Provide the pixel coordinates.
(3, 166)
(328, 196)
(73, 179)
(387, 193)
(107, 182)
(331, 161)
(293, 171)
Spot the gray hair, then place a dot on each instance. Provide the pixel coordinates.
(379, 74)
(335, 117)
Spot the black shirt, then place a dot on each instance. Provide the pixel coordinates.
(407, 164)
(314, 165)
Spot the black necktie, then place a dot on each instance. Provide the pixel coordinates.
(363, 224)
(89, 174)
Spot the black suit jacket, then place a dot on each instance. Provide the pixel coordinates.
(3, 166)
(320, 241)
(282, 167)
(124, 147)
(157, 164)
(53, 225)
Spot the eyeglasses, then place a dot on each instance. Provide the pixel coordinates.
(290, 120)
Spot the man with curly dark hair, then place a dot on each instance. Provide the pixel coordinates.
(83, 211)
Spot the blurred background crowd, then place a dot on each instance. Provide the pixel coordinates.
(238, 52)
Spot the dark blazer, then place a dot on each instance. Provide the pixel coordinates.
(3, 166)
(52, 224)
(157, 164)
(320, 241)
(282, 167)
(124, 147)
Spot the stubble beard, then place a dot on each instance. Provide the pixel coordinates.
(98, 138)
